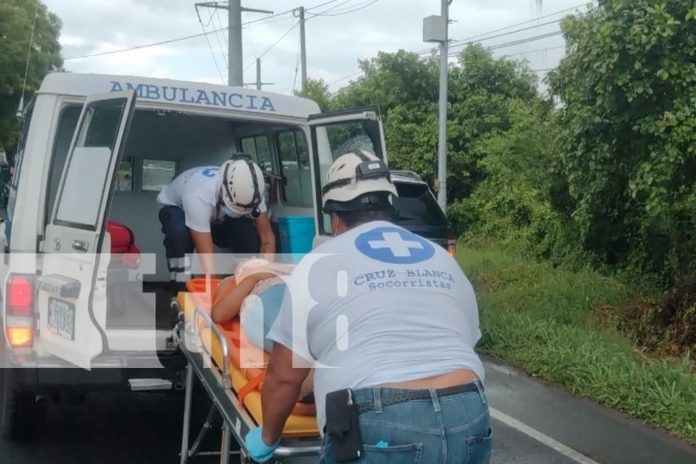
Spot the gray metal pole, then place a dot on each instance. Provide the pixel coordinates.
(187, 414)
(258, 73)
(236, 73)
(303, 49)
(442, 138)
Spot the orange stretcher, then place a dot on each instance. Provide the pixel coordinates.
(232, 371)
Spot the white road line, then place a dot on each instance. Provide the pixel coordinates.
(540, 437)
(499, 368)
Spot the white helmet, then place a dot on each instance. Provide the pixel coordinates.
(243, 185)
(351, 177)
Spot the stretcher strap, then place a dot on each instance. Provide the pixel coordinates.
(251, 385)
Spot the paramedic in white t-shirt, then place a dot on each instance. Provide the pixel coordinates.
(390, 322)
(222, 205)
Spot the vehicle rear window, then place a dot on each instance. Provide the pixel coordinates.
(294, 165)
(417, 206)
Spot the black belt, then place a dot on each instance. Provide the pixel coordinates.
(365, 406)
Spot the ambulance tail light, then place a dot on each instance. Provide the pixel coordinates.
(451, 242)
(19, 313)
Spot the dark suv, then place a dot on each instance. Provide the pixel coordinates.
(419, 211)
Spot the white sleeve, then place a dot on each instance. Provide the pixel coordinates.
(197, 213)
(262, 206)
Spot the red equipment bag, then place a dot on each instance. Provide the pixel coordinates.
(124, 252)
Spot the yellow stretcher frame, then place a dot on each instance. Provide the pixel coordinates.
(220, 379)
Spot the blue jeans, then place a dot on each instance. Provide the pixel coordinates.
(237, 235)
(450, 429)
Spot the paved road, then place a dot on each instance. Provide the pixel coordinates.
(537, 425)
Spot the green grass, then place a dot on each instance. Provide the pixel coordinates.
(541, 319)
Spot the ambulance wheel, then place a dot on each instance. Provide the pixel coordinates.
(20, 415)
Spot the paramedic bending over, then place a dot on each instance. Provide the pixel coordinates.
(209, 205)
(395, 319)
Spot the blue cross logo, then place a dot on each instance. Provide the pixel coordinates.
(394, 245)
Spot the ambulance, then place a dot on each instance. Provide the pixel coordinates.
(94, 152)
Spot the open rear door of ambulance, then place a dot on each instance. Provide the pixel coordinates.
(72, 313)
(333, 134)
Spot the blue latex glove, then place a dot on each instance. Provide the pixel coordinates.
(258, 450)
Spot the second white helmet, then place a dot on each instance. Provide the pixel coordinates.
(243, 186)
(354, 174)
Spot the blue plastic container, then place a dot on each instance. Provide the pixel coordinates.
(296, 234)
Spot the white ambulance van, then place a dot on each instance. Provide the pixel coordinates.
(98, 148)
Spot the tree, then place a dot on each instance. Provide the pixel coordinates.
(480, 90)
(391, 79)
(318, 91)
(405, 88)
(628, 157)
(16, 19)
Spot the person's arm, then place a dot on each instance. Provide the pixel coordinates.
(203, 242)
(266, 235)
(229, 296)
(281, 388)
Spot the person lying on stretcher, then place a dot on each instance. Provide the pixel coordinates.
(254, 294)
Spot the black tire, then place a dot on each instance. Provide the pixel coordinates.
(20, 415)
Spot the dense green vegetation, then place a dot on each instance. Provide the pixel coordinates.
(568, 201)
(598, 173)
(16, 19)
(553, 323)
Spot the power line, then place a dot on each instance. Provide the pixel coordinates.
(210, 47)
(353, 10)
(528, 52)
(274, 44)
(485, 34)
(139, 47)
(329, 9)
(464, 42)
(525, 40)
(217, 37)
(493, 47)
(220, 27)
(516, 42)
(186, 37)
(165, 42)
(343, 78)
(526, 22)
(504, 45)
(251, 37)
(459, 43)
(297, 64)
(267, 18)
(30, 47)
(320, 5)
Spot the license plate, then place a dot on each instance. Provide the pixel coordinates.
(61, 318)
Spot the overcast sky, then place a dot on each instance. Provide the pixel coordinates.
(340, 33)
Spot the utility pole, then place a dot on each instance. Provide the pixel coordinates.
(442, 138)
(435, 29)
(258, 73)
(259, 84)
(234, 42)
(303, 47)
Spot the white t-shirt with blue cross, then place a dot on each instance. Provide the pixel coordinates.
(196, 192)
(378, 304)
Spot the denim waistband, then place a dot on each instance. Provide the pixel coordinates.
(375, 398)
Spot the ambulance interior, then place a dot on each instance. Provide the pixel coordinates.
(161, 145)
